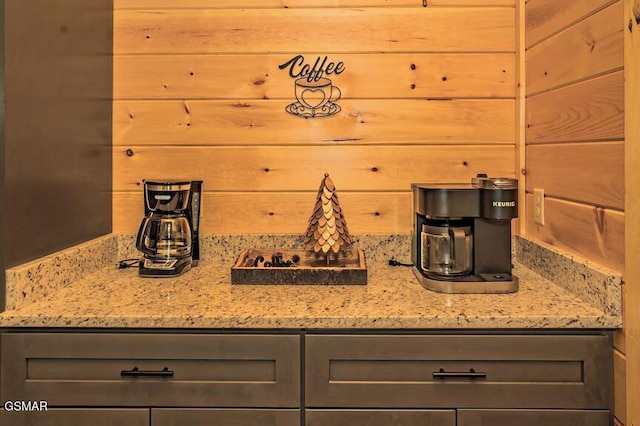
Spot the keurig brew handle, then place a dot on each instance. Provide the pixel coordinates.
(458, 236)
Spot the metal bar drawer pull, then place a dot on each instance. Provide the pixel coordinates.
(471, 374)
(135, 372)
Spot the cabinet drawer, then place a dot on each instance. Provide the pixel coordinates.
(134, 370)
(533, 418)
(208, 417)
(72, 417)
(459, 371)
(381, 417)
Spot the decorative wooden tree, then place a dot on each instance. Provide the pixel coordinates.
(327, 231)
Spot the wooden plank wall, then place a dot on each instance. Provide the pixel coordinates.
(632, 207)
(575, 135)
(428, 94)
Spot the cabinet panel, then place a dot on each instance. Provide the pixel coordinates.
(380, 418)
(137, 370)
(455, 371)
(208, 417)
(533, 418)
(72, 417)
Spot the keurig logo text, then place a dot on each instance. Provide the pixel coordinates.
(504, 204)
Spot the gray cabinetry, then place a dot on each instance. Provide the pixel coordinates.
(381, 417)
(532, 417)
(140, 370)
(73, 417)
(223, 417)
(190, 372)
(491, 379)
(252, 378)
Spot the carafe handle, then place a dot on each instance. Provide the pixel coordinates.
(458, 247)
(142, 231)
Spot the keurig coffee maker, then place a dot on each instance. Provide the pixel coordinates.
(168, 234)
(461, 236)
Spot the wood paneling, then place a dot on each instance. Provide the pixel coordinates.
(591, 232)
(223, 4)
(521, 148)
(428, 94)
(402, 29)
(279, 212)
(591, 47)
(366, 76)
(632, 206)
(359, 122)
(620, 386)
(547, 17)
(300, 168)
(586, 111)
(592, 173)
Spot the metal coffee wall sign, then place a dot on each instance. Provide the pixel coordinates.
(315, 93)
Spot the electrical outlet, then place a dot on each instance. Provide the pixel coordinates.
(538, 206)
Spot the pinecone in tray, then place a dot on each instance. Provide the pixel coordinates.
(327, 231)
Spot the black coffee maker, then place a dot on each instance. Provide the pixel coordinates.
(168, 235)
(461, 236)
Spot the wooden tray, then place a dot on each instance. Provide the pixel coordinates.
(348, 269)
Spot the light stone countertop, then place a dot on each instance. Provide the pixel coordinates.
(392, 299)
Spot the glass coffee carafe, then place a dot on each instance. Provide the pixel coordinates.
(447, 248)
(165, 236)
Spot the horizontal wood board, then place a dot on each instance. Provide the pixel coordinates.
(591, 173)
(592, 232)
(587, 111)
(301, 168)
(360, 122)
(591, 47)
(262, 4)
(279, 212)
(402, 29)
(544, 18)
(367, 75)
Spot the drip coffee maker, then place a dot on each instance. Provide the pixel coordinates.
(168, 234)
(461, 236)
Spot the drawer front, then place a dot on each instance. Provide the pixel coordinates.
(455, 371)
(533, 418)
(73, 417)
(209, 417)
(380, 418)
(152, 369)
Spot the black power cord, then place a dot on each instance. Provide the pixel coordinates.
(394, 262)
(128, 263)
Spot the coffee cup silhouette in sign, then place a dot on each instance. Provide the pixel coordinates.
(315, 98)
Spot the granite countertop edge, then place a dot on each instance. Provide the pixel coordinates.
(393, 299)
